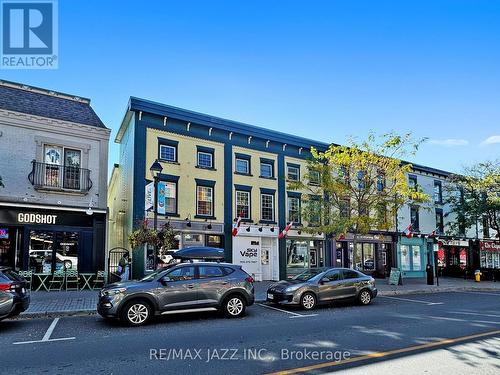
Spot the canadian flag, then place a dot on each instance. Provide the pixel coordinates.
(236, 226)
(284, 232)
(433, 234)
(407, 232)
(341, 237)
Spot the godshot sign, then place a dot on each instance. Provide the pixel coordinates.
(29, 30)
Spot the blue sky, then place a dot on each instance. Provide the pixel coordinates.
(319, 69)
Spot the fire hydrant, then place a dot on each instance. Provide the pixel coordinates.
(478, 274)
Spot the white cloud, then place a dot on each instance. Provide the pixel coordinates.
(450, 142)
(491, 140)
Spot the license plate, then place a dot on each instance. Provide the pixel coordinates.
(270, 296)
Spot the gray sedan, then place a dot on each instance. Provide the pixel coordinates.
(323, 285)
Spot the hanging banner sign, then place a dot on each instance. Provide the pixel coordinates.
(149, 196)
(161, 198)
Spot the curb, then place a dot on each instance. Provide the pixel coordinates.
(54, 314)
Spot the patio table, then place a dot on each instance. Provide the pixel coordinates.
(43, 278)
(86, 277)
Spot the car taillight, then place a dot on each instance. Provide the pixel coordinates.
(249, 279)
(6, 287)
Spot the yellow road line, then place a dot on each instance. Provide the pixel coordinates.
(385, 354)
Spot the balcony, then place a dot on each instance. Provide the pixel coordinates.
(53, 177)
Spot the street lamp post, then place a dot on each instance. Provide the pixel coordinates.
(155, 169)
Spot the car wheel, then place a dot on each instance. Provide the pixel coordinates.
(68, 264)
(308, 301)
(365, 297)
(234, 306)
(136, 313)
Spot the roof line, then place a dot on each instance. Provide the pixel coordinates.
(222, 123)
(140, 104)
(40, 90)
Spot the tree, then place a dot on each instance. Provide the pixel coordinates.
(1, 182)
(475, 195)
(359, 187)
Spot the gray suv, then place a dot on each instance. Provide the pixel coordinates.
(323, 285)
(179, 288)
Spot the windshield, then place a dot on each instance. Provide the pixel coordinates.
(154, 275)
(308, 275)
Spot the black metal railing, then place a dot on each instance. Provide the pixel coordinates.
(60, 177)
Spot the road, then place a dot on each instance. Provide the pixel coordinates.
(432, 333)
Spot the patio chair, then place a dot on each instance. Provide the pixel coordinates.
(57, 281)
(28, 275)
(100, 280)
(72, 280)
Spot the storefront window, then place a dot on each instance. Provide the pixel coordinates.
(214, 241)
(405, 257)
(489, 255)
(297, 254)
(364, 257)
(191, 240)
(41, 244)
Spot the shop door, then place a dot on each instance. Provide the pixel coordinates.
(269, 259)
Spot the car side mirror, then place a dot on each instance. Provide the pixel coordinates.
(324, 280)
(164, 280)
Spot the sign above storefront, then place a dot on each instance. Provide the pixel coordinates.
(489, 245)
(369, 237)
(45, 217)
(31, 218)
(461, 243)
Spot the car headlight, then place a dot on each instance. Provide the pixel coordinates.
(292, 288)
(112, 292)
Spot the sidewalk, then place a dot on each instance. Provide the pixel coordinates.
(84, 302)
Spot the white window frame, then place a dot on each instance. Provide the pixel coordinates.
(236, 201)
(175, 153)
(211, 214)
(298, 209)
(61, 167)
(262, 195)
(311, 181)
(288, 173)
(271, 169)
(205, 153)
(247, 165)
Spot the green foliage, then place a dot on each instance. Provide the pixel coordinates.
(1, 182)
(475, 195)
(162, 239)
(362, 185)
